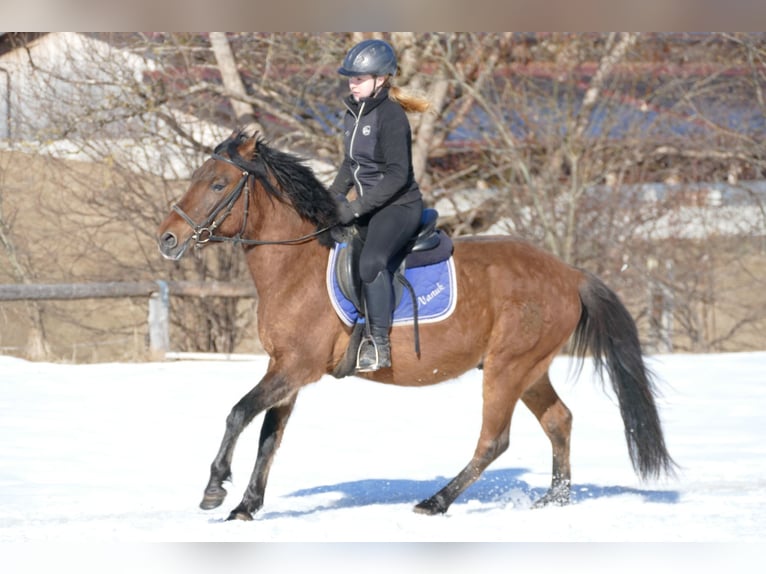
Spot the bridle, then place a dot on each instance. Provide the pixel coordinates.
(205, 232)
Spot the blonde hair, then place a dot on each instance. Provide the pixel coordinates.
(410, 102)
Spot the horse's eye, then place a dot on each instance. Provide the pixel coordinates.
(218, 186)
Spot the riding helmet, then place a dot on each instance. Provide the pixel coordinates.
(373, 57)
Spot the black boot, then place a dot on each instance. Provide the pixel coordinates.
(375, 350)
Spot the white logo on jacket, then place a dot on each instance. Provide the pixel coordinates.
(366, 130)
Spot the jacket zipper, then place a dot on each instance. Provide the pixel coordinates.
(351, 147)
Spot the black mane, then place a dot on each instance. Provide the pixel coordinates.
(296, 182)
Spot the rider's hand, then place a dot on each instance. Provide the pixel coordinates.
(346, 213)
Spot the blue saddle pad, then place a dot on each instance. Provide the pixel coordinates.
(435, 291)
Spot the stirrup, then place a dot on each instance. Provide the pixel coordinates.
(362, 347)
(375, 365)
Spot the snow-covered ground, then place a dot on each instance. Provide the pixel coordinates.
(96, 455)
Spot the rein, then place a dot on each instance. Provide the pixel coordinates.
(204, 232)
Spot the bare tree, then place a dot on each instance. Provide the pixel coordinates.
(591, 144)
(232, 82)
(19, 269)
(588, 144)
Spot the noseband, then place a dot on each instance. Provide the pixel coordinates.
(204, 232)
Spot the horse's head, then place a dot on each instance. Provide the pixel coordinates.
(218, 201)
(215, 204)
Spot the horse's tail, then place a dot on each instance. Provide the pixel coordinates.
(608, 331)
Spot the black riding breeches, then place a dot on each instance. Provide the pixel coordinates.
(385, 236)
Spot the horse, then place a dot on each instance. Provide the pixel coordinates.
(519, 305)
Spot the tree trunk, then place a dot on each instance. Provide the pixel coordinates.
(232, 82)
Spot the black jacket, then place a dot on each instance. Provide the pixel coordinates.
(378, 155)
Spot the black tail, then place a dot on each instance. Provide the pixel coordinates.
(608, 331)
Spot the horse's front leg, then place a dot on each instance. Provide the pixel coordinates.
(271, 390)
(273, 429)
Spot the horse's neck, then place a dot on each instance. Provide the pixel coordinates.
(275, 267)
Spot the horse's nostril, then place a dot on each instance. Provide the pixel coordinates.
(169, 240)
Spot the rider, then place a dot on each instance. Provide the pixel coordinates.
(387, 204)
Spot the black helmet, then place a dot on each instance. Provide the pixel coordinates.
(373, 57)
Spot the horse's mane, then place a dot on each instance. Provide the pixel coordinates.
(295, 181)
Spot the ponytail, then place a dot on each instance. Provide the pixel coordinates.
(410, 102)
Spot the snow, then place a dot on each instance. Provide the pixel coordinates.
(94, 456)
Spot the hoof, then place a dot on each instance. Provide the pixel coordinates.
(553, 498)
(213, 498)
(240, 514)
(431, 507)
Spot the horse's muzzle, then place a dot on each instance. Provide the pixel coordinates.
(170, 248)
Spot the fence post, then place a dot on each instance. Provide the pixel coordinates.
(159, 322)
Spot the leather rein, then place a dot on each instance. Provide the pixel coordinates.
(205, 232)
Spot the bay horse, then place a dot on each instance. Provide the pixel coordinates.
(518, 306)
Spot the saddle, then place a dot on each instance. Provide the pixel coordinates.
(429, 249)
(429, 245)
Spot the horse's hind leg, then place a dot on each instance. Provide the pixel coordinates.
(556, 420)
(441, 501)
(274, 423)
(271, 390)
(499, 402)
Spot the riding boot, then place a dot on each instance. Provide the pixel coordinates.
(375, 350)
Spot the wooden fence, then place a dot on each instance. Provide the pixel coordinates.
(157, 292)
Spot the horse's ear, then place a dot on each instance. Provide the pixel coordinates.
(247, 148)
(244, 133)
